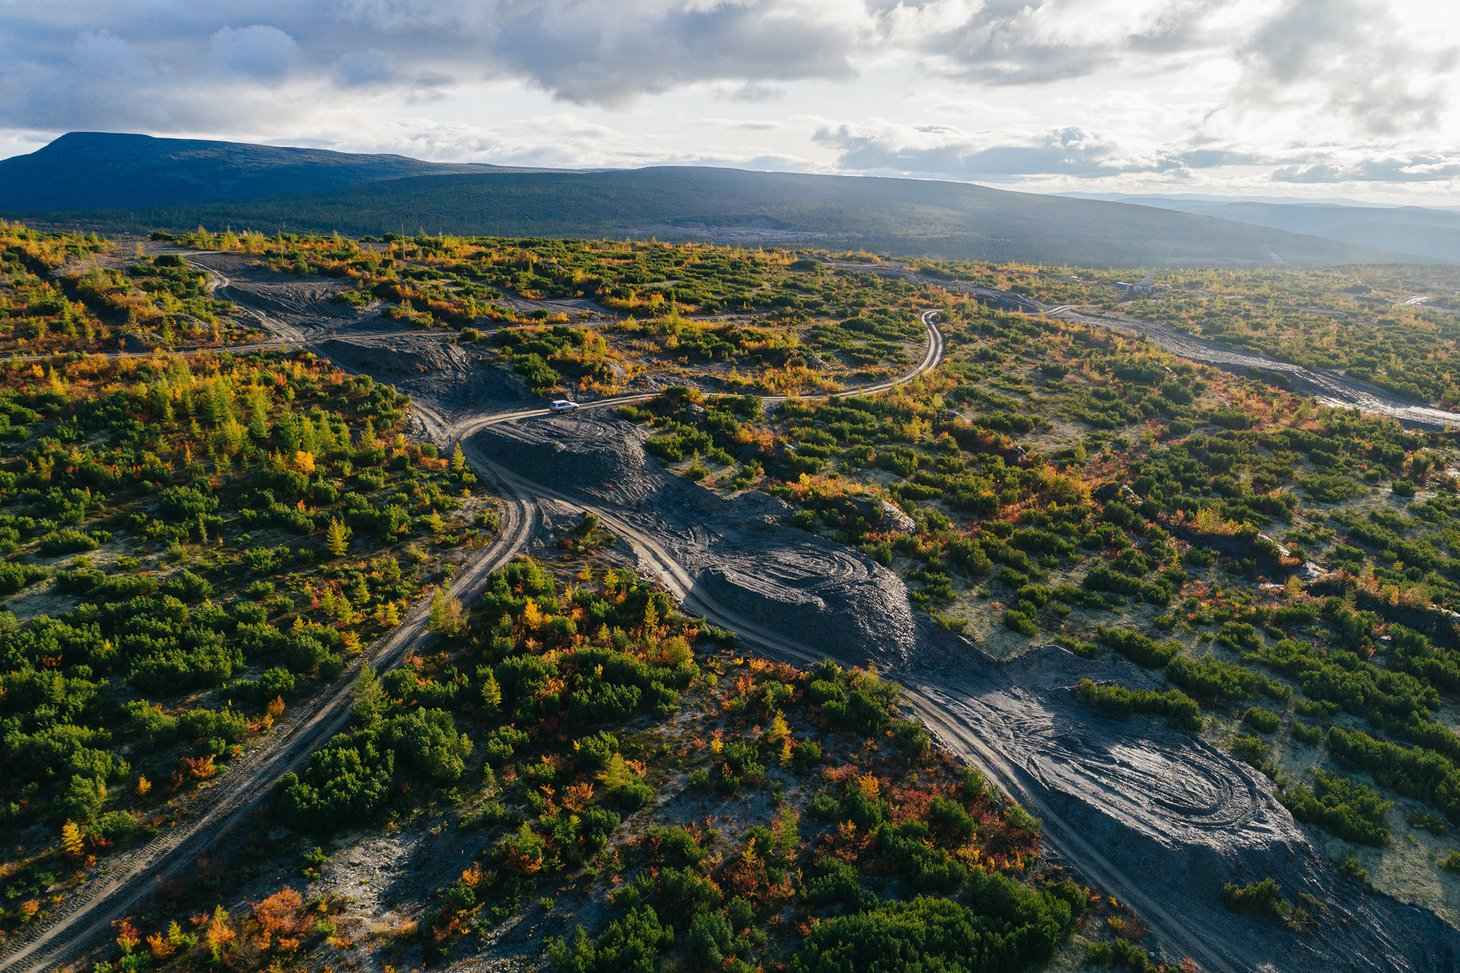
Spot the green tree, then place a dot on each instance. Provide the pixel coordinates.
(429, 741)
(370, 699)
(447, 617)
(491, 692)
(84, 799)
(337, 537)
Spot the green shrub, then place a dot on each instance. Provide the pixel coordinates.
(1262, 720)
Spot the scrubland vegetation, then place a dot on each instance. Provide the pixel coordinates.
(651, 800)
(739, 320)
(191, 544)
(59, 297)
(1290, 572)
(1362, 321)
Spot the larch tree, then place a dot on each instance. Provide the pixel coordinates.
(337, 537)
(73, 841)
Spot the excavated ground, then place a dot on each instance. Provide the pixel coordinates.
(1166, 813)
(811, 589)
(1329, 387)
(1174, 815)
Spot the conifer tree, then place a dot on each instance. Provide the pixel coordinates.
(491, 692)
(337, 537)
(72, 842)
(446, 615)
(369, 696)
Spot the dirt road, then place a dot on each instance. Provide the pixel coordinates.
(123, 881)
(661, 547)
(932, 354)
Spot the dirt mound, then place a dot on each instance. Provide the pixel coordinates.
(739, 552)
(1176, 816)
(295, 299)
(831, 600)
(446, 376)
(1176, 791)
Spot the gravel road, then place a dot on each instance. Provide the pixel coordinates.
(1147, 813)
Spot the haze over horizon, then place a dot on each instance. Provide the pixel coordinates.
(1310, 99)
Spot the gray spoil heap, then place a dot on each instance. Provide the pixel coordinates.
(1176, 816)
(739, 550)
(1170, 815)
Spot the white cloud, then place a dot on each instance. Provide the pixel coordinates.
(1351, 58)
(254, 53)
(1036, 91)
(939, 151)
(1398, 170)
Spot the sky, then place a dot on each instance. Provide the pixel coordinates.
(1353, 99)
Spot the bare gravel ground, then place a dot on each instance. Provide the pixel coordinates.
(1153, 814)
(819, 591)
(1174, 816)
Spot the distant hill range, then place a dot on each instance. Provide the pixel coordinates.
(134, 182)
(1422, 231)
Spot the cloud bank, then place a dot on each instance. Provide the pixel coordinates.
(1213, 84)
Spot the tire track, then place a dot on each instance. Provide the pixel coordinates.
(123, 881)
(120, 882)
(1066, 840)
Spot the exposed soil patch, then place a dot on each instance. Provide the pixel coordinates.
(834, 599)
(1176, 816)
(1167, 815)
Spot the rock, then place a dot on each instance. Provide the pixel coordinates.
(893, 518)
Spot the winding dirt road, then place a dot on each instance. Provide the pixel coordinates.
(123, 881)
(1329, 387)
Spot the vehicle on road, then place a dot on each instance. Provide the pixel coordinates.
(562, 405)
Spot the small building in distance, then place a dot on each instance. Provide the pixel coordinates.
(1144, 286)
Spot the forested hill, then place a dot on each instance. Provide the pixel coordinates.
(99, 170)
(139, 183)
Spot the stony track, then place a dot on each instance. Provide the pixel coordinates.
(1178, 797)
(126, 879)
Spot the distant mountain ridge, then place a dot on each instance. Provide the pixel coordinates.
(1432, 232)
(99, 170)
(140, 183)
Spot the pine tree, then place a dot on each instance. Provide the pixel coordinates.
(651, 620)
(458, 460)
(337, 537)
(446, 615)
